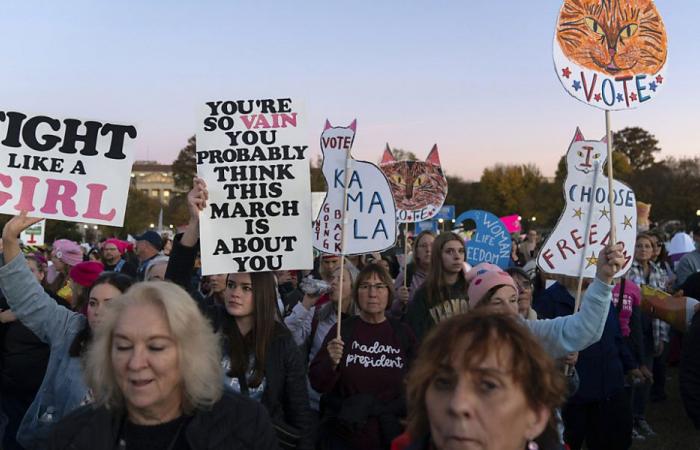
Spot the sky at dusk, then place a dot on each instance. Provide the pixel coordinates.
(476, 78)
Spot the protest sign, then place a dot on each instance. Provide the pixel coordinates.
(572, 248)
(370, 212)
(490, 242)
(34, 235)
(419, 187)
(512, 223)
(676, 310)
(56, 168)
(611, 55)
(252, 155)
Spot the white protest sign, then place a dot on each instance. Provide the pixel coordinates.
(371, 212)
(65, 168)
(252, 155)
(34, 235)
(587, 202)
(611, 55)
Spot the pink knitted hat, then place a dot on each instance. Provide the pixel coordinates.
(484, 282)
(67, 251)
(481, 269)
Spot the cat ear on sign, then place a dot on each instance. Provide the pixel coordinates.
(387, 157)
(353, 125)
(327, 125)
(605, 139)
(433, 156)
(578, 136)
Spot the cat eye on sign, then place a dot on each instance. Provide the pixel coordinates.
(419, 181)
(397, 179)
(629, 30)
(593, 25)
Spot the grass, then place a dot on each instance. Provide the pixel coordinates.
(668, 419)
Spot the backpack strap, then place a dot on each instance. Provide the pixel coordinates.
(620, 297)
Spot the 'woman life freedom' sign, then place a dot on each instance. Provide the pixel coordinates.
(252, 155)
(55, 168)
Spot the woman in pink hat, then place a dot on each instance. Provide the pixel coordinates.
(64, 255)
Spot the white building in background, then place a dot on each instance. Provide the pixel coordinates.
(155, 180)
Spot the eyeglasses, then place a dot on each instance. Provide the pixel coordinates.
(524, 285)
(377, 287)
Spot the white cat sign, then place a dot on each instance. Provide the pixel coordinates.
(253, 156)
(370, 217)
(584, 226)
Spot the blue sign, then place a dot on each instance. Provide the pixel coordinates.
(447, 212)
(426, 225)
(490, 242)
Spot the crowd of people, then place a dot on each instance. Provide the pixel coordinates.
(128, 346)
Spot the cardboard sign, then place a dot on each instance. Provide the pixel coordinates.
(677, 311)
(34, 235)
(419, 187)
(587, 202)
(611, 54)
(490, 242)
(57, 168)
(512, 223)
(253, 157)
(371, 213)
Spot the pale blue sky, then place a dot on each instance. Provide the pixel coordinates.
(475, 77)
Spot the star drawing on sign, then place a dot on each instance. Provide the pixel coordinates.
(633, 96)
(578, 213)
(604, 213)
(620, 98)
(576, 85)
(659, 79)
(566, 72)
(627, 222)
(591, 260)
(597, 97)
(652, 86)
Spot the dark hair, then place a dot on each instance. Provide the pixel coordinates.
(470, 338)
(416, 243)
(373, 269)
(119, 281)
(435, 285)
(266, 325)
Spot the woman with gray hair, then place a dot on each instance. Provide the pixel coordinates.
(154, 372)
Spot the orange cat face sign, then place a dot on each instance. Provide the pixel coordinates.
(610, 54)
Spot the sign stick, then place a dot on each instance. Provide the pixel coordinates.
(611, 196)
(405, 253)
(585, 243)
(348, 173)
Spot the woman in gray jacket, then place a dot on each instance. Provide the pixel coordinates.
(66, 332)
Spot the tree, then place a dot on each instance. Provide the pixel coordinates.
(638, 144)
(403, 155)
(185, 165)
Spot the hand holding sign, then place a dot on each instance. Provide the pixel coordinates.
(610, 259)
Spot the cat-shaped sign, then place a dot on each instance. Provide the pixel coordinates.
(587, 205)
(371, 213)
(610, 54)
(419, 187)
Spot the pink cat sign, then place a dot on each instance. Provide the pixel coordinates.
(419, 187)
(370, 217)
(583, 229)
(611, 54)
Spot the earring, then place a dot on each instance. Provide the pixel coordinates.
(532, 445)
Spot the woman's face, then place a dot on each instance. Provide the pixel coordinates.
(657, 247)
(524, 294)
(99, 296)
(145, 362)
(424, 250)
(482, 408)
(453, 257)
(505, 300)
(239, 295)
(347, 286)
(643, 250)
(59, 265)
(372, 295)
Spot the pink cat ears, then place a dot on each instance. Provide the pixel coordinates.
(353, 125)
(578, 136)
(433, 156)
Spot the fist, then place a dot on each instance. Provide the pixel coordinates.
(610, 261)
(335, 350)
(402, 294)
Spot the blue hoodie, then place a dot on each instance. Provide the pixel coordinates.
(602, 365)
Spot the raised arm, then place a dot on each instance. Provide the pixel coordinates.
(569, 334)
(27, 299)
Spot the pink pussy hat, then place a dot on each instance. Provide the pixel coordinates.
(484, 282)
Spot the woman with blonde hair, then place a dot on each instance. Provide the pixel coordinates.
(154, 372)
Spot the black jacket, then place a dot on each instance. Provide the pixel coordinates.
(233, 423)
(689, 375)
(285, 396)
